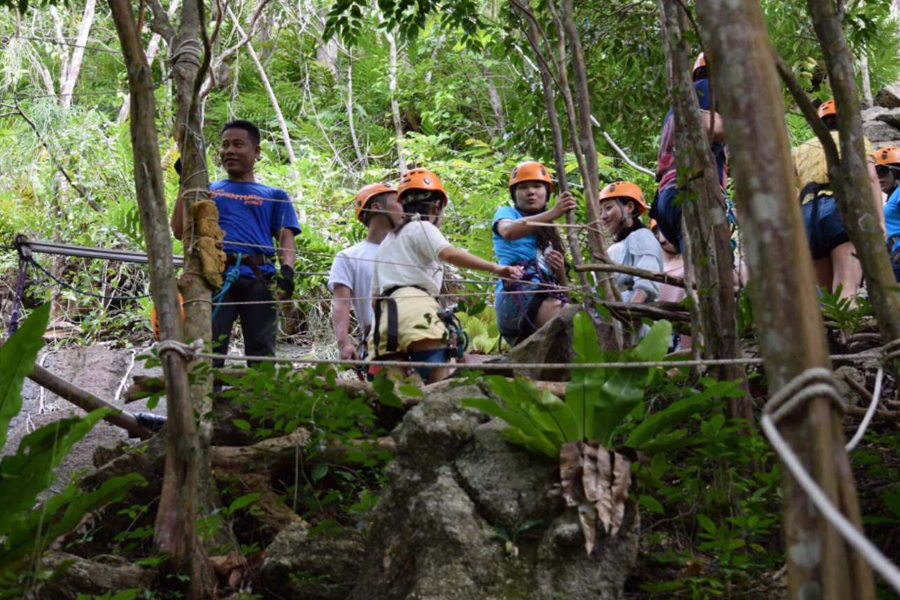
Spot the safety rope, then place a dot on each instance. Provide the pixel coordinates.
(817, 382)
(231, 275)
(17, 301)
(82, 292)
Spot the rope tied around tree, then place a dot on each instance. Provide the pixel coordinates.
(818, 382)
(188, 352)
(191, 48)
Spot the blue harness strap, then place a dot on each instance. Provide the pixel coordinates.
(231, 275)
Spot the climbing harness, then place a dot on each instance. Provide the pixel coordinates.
(231, 275)
(535, 280)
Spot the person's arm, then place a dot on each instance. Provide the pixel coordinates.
(287, 247)
(876, 194)
(649, 258)
(466, 260)
(178, 219)
(514, 229)
(718, 129)
(558, 264)
(340, 318)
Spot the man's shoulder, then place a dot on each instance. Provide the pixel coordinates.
(256, 188)
(362, 248)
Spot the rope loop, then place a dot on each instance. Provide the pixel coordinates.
(190, 47)
(188, 352)
(815, 382)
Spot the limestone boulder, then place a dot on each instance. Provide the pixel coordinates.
(888, 96)
(303, 567)
(469, 516)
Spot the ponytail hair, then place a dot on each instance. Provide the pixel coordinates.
(546, 236)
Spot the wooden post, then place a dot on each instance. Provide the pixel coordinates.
(175, 524)
(858, 202)
(703, 210)
(788, 321)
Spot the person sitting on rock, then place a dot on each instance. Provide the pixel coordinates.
(350, 279)
(834, 256)
(409, 323)
(887, 167)
(523, 238)
(666, 209)
(621, 205)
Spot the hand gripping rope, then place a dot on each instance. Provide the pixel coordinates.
(817, 382)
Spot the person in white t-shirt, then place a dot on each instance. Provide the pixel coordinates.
(408, 277)
(350, 280)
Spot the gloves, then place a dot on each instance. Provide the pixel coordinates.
(285, 280)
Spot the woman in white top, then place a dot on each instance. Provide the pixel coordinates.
(408, 276)
(621, 204)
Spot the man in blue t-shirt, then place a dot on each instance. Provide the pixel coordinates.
(666, 208)
(251, 215)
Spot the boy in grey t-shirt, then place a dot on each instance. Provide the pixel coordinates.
(350, 280)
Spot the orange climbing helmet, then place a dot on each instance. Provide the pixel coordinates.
(530, 170)
(367, 193)
(827, 108)
(421, 180)
(624, 190)
(154, 319)
(889, 155)
(700, 63)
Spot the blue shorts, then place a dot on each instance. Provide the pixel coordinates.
(433, 355)
(824, 226)
(666, 210)
(516, 313)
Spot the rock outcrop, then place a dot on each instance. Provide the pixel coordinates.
(469, 516)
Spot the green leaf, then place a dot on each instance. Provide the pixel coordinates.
(585, 345)
(651, 504)
(658, 465)
(35, 530)
(30, 470)
(241, 424)
(524, 431)
(410, 390)
(582, 392)
(707, 524)
(17, 358)
(319, 472)
(659, 423)
(656, 343)
(245, 500)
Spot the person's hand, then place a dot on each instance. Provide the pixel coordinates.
(564, 204)
(557, 260)
(509, 272)
(285, 280)
(347, 350)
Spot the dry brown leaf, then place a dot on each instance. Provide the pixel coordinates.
(620, 484)
(587, 516)
(598, 482)
(570, 472)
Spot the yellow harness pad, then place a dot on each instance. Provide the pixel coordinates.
(417, 319)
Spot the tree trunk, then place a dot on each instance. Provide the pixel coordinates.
(704, 210)
(282, 124)
(175, 524)
(395, 107)
(790, 329)
(850, 179)
(359, 155)
(868, 98)
(71, 75)
(496, 103)
(152, 49)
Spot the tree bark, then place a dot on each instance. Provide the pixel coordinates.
(87, 401)
(395, 106)
(703, 211)
(71, 74)
(850, 179)
(359, 155)
(174, 533)
(868, 98)
(152, 49)
(496, 103)
(282, 123)
(790, 329)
